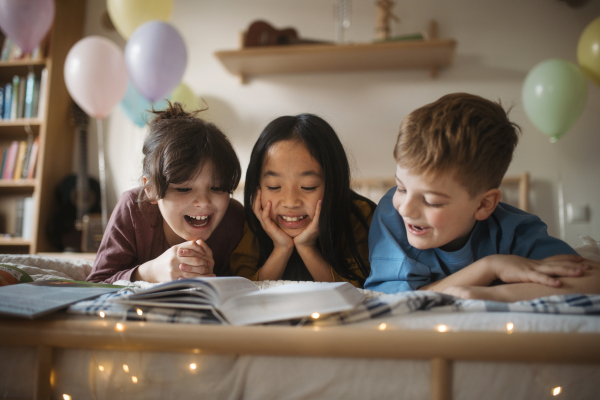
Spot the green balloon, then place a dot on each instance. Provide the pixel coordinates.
(554, 95)
(588, 51)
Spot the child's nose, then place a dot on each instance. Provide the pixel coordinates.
(202, 199)
(408, 208)
(291, 199)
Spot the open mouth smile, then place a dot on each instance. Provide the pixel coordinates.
(198, 221)
(417, 230)
(292, 222)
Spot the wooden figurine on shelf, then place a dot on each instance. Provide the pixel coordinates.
(384, 14)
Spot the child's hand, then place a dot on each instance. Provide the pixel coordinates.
(278, 236)
(196, 259)
(308, 237)
(186, 260)
(514, 269)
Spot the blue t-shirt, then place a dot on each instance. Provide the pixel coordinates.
(396, 266)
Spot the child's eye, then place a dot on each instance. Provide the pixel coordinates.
(432, 205)
(273, 188)
(183, 190)
(309, 189)
(218, 189)
(401, 190)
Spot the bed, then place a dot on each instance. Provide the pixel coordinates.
(420, 345)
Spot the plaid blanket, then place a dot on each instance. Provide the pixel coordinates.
(373, 307)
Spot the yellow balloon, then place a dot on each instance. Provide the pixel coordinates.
(184, 95)
(588, 51)
(127, 15)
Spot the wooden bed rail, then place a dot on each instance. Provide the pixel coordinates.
(337, 341)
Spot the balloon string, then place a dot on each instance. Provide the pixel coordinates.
(102, 171)
(561, 200)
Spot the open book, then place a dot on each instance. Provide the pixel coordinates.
(238, 301)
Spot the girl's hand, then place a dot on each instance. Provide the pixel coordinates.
(308, 237)
(514, 269)
(186, 260)
(280, 238)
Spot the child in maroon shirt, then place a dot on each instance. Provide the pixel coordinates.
(182, 222)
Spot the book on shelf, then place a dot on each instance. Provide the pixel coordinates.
(28, 210)
(19, 209)
(41, 108)
(35, 299)
(7, 101)
(21, 97)
(11, 156)
(239, 301)
(1, 102)
(6, 46)
(3, 155)
(14, 102)
(28, 110)
(11, 52)
(20, 160)
(33, 156)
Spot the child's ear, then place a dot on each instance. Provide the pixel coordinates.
(148, 189)
(487, 205)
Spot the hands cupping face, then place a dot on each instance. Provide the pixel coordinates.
(277, 235)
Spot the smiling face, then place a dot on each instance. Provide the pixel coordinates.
(437, 212)
(292, 180)
(192, 210)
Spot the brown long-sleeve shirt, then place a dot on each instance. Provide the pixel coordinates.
(133, 238)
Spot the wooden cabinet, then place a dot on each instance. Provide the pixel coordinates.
(52, 127)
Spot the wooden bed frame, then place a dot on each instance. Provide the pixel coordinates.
(441, 348)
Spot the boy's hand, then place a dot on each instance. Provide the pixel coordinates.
(515, 269)
(308, 237)
(279, 237)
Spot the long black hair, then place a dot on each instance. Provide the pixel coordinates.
(336, 231)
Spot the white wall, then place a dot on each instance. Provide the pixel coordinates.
(499, 41)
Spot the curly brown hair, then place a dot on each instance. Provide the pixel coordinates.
(177, 147)
(463, 133)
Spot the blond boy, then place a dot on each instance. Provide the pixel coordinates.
(443, 227)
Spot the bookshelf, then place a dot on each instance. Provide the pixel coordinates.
(52, 128)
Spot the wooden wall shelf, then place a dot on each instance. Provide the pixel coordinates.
(428, 54)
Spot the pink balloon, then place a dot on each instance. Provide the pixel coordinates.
(26, 22)
(96, 75)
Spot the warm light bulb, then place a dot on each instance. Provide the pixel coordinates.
(66, 397)
(102, 315)
(315, 315)
(193, 366)
(100, 367)
(442, 328)
(509, 327)
(119, 326)
(556, 391)
(382, 326)
(139, 312)
(126, 368)
(134, 379)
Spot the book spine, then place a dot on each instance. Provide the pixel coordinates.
(19, 205)
(14, 106)
(21, 98)
(4, 153)
(42, 98)
(7, 101)
(27, 230)
(27, 156)
(2, 102)
(28, 113)
(10, 160)
(36, 97)
(20, 160)
(33, 158)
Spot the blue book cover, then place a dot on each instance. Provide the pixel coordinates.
(7, 101)
(4, 153)
(1, 102)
